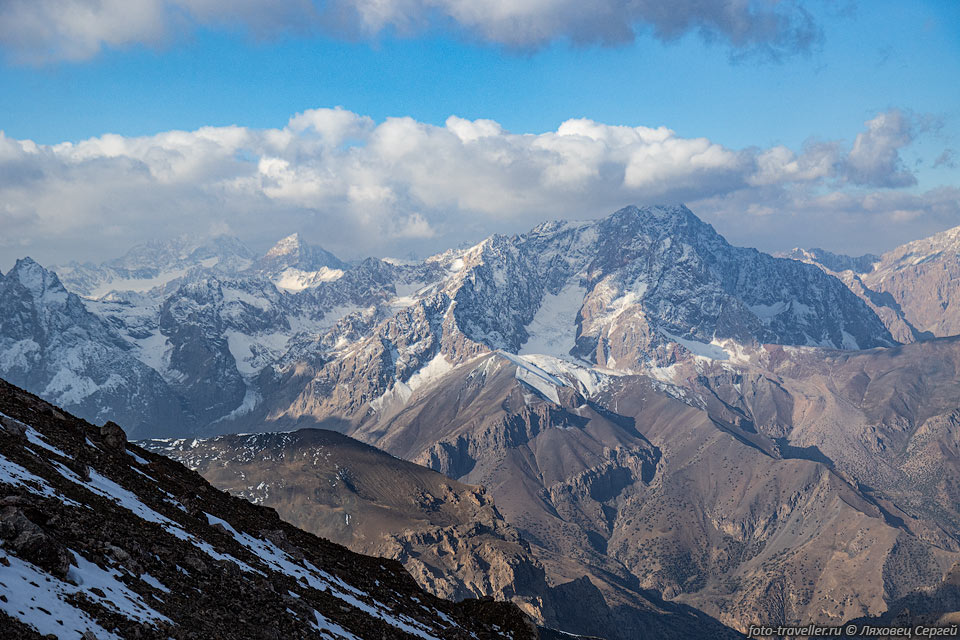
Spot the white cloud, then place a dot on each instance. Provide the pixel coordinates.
(875, 157)
(364, 187)
(39, 31)
(44, 30)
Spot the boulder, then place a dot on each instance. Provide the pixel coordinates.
(31, 543)
(113, 436)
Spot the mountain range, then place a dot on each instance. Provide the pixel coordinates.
(629, 411)
(220, 327)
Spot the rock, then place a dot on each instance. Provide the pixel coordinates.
(29, 541)
(47, 410)
(113, 436)
(117, 554)
(14, 427)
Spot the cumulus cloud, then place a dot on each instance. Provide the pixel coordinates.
(372, 188)
(41, 31)
(874, 159)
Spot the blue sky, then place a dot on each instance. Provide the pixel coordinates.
(863, 60)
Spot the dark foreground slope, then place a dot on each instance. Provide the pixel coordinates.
(102, 539)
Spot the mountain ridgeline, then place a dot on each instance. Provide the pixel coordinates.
(628, 412)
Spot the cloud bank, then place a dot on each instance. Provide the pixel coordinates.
(363, 187)
(42, 31)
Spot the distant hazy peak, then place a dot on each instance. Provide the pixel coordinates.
(833, 261)
(291, 244)
(294, 251)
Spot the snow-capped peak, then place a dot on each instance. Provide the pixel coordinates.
(286, 246)
(41, 283)
(294, 252)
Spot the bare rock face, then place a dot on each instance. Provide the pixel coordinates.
(915, 288)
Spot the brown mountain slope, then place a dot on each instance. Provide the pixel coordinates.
(914, 288)
(750, 491)
(450, 536)
(356, 495)
(886, 417)
(923, 277)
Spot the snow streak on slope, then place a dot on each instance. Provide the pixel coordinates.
(702, 349)
(293, 279)
(401, 391)
(536, 378)
(28, 594)
(553, 330)
(322, 581)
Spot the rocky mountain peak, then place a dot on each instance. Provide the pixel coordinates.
(286, 246)
(41, 283)
(943, 245)
(662, 213)
(294, 252)
(655, 221)
(154, 264)
(913, 288)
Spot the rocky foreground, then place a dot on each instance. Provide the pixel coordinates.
(102, 539)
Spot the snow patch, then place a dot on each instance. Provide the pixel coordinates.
(429, 373)
(293, 279)
(553, 330)
(253, 353)
(18, 355)
(589, 380)
(153, 582)
(140, 285)
(536, 378)
(32, 597)
(408, 294)
(138, 459)
(34, 437)
(67, 388)
(849, 342)
(663, 374)
(331, 629)
(117, 596)
(154, 351)
(712, 351)
(245, 297)
(12, 473)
